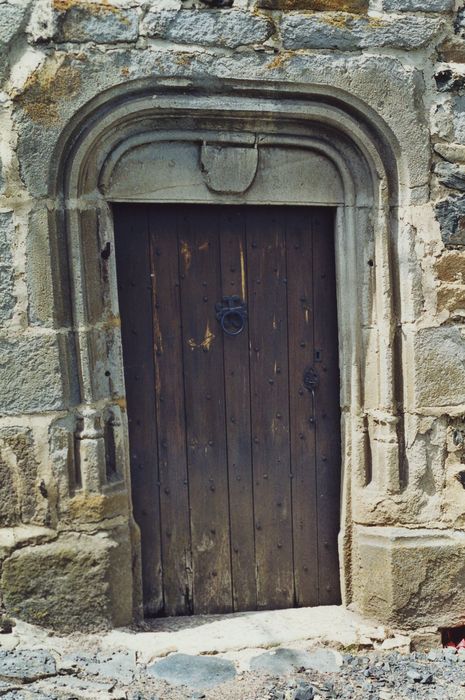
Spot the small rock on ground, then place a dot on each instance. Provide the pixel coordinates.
(197, 672)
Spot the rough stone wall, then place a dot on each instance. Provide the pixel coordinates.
(55, 56)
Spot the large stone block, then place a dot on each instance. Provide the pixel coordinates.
(410, 578)
(79, 582)
(39, 262)
(451, 175)
(11, 20)
(354, 6)
(346, 32)
(450, 267)
(7, 298)
(451, 298)
(30, 374)
(21, 499)
(7, 232)
(451, 216)
(458, 117)
(417, 5)
(229, 28)
(439, 357)
(100, 22)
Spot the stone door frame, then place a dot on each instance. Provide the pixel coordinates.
(331, 123)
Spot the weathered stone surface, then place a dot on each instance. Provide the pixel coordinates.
(39, 261)
(283, 661)
(20, 492)
(216, 27)
(418, 5)
(95, 21)
(197, 672)
(449, 80)
(229, 169)
(12, 17)
(354, 6)
(26, 665)
(12, 538)
(452, 298)
(76, 688)
(41, 24)
(408, 577)
(381, 81)
(345, 32)
(46, 92)
(439, 367)
(7, 232)
(73, 583)
(450, 267)
(458, 116)
(452, 50)
(30, 374)
(451, 216)
(118, 666)
(7, 298)
(2, 178)
(451, 175)
(453, 152)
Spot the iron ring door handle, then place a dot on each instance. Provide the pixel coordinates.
(231, 313)
(311, 381)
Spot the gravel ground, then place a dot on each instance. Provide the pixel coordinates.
(39, 674)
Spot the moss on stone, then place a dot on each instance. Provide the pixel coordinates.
(54, 81)
(353, 6)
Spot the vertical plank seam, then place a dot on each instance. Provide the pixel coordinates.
(252, 466)
(218, 219)
(157, 435)
(189, 574)
(312, 227)
(289, 441)
(247, 298)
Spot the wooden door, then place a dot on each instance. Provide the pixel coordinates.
(234, 434)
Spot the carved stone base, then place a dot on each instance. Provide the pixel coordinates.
(410, 578)
(78, 582)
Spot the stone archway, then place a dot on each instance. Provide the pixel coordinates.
(95, 167)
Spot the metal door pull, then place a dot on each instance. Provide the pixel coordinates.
(231, 313)
(311, 381)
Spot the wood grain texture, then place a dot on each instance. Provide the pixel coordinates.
(171, 424)
(135, 300)
(235, 468)
(238, 427)
(267, 283)
(301, 311)
(199, 260)
(328, 449)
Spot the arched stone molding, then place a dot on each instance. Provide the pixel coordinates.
(89, 171)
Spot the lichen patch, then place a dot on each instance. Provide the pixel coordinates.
(353, 6)
(52, 82)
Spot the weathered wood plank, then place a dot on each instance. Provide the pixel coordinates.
(327, 406)
(270, 407)
(299, 250)
(205, 411)
(135, 301)
(171, 428)
(237, 393)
